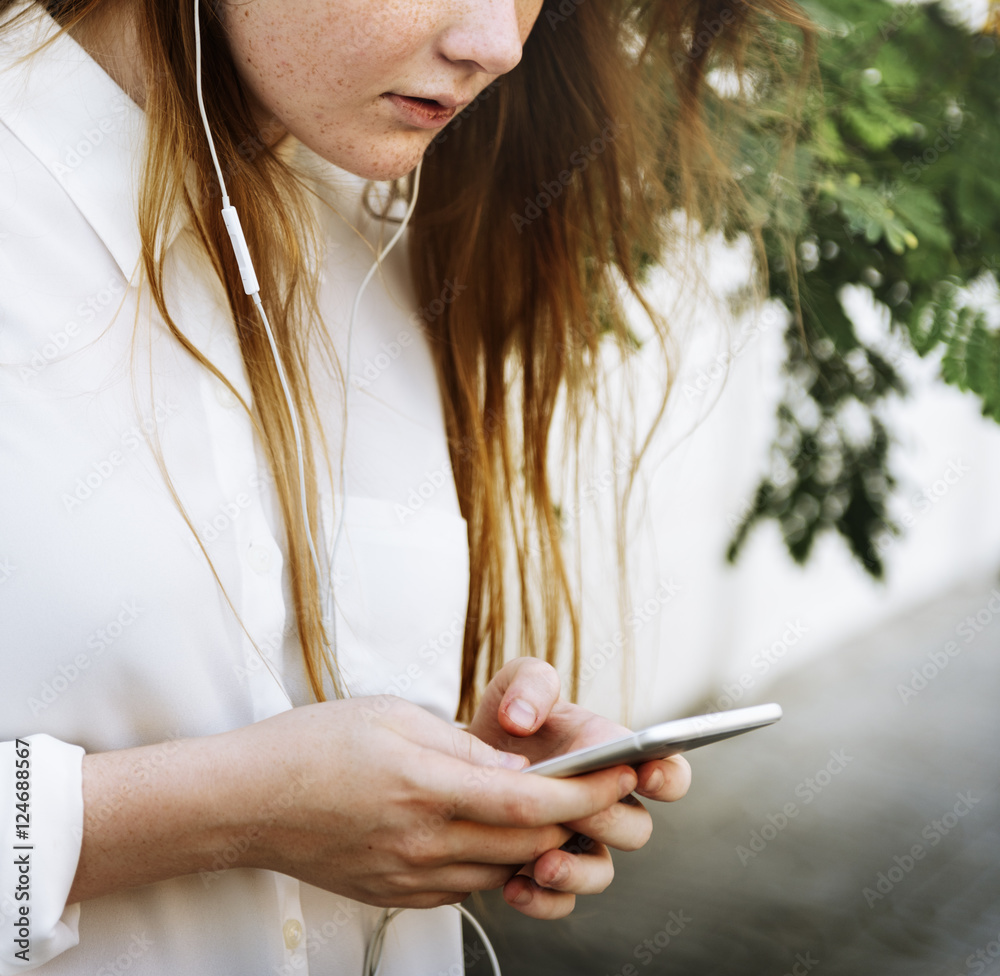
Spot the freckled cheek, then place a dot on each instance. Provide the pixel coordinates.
(320, 89)
(527, 16)
(374, 66)
(298, 75)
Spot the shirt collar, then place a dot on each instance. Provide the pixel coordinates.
(90, 136)
(79, 125)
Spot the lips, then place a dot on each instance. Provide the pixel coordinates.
(425, 113)
(431, 104)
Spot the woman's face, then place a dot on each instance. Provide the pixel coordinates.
(367, 84)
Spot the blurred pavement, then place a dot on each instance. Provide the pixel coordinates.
(860, 835)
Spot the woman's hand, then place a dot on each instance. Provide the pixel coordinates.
(521, 712)
(373, 798)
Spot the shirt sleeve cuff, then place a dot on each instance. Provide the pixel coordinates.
(41, 829)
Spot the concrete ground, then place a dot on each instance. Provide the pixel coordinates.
(860, 835)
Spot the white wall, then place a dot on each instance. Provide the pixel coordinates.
(700, 626)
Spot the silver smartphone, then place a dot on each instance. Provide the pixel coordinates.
(659, 741)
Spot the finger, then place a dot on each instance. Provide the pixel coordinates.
(582, 866)
(420, 727)
(665, 779)
(459, 878)
(501, 798)
(463, 745)
(626, 826)
(530, 689)
(530, 899)
(521, 695)
(421, 899)
(441, 842)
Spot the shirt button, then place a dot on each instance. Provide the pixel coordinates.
(292, 931)
(225, 396)
(259, 558)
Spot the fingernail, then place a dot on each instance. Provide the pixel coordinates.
(511, 760)
(655, 782)
(522, 714)
(522, 897)
(560, 876)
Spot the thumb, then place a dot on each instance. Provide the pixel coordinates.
(468, 747)
(423, 728)
(526, 689)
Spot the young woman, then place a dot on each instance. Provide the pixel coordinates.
(206, 768)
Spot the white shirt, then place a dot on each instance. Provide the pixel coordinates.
(113, 631)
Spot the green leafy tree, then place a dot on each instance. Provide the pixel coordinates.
(893, 184)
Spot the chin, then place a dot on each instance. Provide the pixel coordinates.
(387, 159)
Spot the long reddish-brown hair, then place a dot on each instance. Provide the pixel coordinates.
(542, 200)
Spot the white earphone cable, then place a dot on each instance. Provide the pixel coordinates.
(252, 289)
(376, 944)
(373, 954)
(329, 610)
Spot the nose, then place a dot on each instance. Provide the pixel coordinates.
(486, 36)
